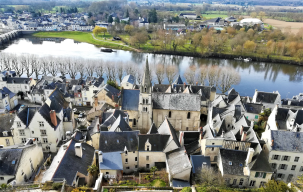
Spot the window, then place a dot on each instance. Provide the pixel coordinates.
(107, 173)
(169, 114)
(25, 86)
(136, 158)
(1, 178)
(279, 175)
(7, 142)
(297, 159)
(126, 161)
(274, 165)
(289, 178)
(43, 132)
(85, 98)
(293, 167)
(215, 158)
(252, 183)
(276, 157)
(256, 117)
(236, 148)
(127, 167)
(79, 99)
(241, 182)
(45, 140)
(147, 148)
(235, 182)
(33, 132)
(212, 149)
(23, 140)
(145, 89)
(283, 166)
(18, 124)
(285, 158)
(41, 124)
(147, 158)
(146, 101)
(262, 184)
(125, 152)
(143, 101)
(136, 166)
(230, 163)
(301, 168)
(135, 122)
(21, 132)
(147, 166)
(117, 140)
(188, 115)
(105, 141)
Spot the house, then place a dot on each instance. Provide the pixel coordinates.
(71, 163)
(251, 22)
(110, 116)
(216, 22)
(19, 163)
(110, 165)
(8, 99)
(130, 104)
(269, 100)
(128, 82)
(6, 137)
(252, 111)
(20, 85)
(230, 19)
(100, 24)
(188, 15)
(93, 133)
(126, 143)
(198, 163)
(109, 95)
(174, 27)
(284, 153)
(97, 110)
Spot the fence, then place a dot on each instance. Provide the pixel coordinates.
(133, 188)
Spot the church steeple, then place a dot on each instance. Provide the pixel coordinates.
(146, 81)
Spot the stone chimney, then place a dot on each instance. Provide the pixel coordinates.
(250, 155)
(53, 117)
(78, 150)
(100, 157)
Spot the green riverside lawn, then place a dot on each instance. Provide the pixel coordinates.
(85, 37)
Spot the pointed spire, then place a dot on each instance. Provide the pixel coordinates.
(178, 81)
(146, 82)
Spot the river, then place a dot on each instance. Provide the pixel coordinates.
(287, 79)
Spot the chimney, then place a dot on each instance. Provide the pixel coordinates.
(100, 157)
(256, 90)
(241, 130)
(78, 150)
(244, 134)
(53, 117)
(197, 83)
(184, 85)
(249, 155)
(98, 126)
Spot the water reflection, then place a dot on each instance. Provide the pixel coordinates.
(254, 75)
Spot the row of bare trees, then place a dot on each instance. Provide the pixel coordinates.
(223, 78)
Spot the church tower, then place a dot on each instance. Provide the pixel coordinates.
(145, 102)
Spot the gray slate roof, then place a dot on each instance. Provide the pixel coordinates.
(129, 79)
(117, 141)
(238, 161)
(27, 114)
(18, 80)
(176, 101)
(71, 164)
(130, 99)
(178, 80)
(9, 161)
(261, 163)
(111, 161)
(197, 161)
(120, 124)
(265, 97)
(287, 141)
(253, 108)
(153, 129)
(158, 142)
(7, 121)
(5, 91)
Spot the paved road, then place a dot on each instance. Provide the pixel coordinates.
(115, 43)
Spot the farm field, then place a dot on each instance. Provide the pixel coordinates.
(283, 25)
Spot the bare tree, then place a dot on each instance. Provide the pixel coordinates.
(228, 77)
(208, 176)
(5, 61)
(72, 68)
(27, 61)
(100, 68)
(160, 73)
(139, 75)
(37, 65)
(44, 66)
(90, 67)
(202, 74)
(80, 68)
(62, 66)
(171, 72)
(212, 76)
(120, 71)
(52, 67)
(190, 74)
(16, 65)
(130, 69)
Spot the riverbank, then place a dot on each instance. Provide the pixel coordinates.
(84, 37)
(101, 42)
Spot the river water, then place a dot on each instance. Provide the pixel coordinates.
(287, 79)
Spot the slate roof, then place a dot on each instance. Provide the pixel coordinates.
(158, 142)
(253, 108)
(58, 101)
(117, 141)
(111, 161)
(178, 161)
(161, 88)
(238, 161)
(130, 99)
(27, 114)
(299, 117)
(190, 136)
(7, 121)
(153, 129)
(197, 161)
(178, 81)
(129, 79)
(184, 102)
(110, 90)
(287, 141)
(261, 163)
(167, 129)
(5, 91)
(232, 94)
(71, 164)
(121, 124)
(18, 80)
(180, 183)
(9, 160)
(45, 113)
(265, 97)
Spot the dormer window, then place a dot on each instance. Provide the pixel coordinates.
(117, 140)
(230, 163)
(143, 101)
(147, 148)
(4, 133)
(188, 115)
(169, 114)
(105, 141)
(125, 152)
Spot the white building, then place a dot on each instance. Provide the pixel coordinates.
(251, 22)
(8, 99)
(267, 99)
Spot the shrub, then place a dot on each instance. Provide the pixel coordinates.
(57, 186)
(113, 84)
(186, 189)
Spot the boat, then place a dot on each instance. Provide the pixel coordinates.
(239, 58)
(106, 50)
(247, 59)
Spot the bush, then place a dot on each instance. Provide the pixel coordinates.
(147, 177)
(186, 189)
(57, 186)
(113, 84)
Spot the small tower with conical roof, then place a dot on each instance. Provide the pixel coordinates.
(145, 102)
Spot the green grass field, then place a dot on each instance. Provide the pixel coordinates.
(83, 37)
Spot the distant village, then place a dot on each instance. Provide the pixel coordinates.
(79, 22)
(55, 128)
